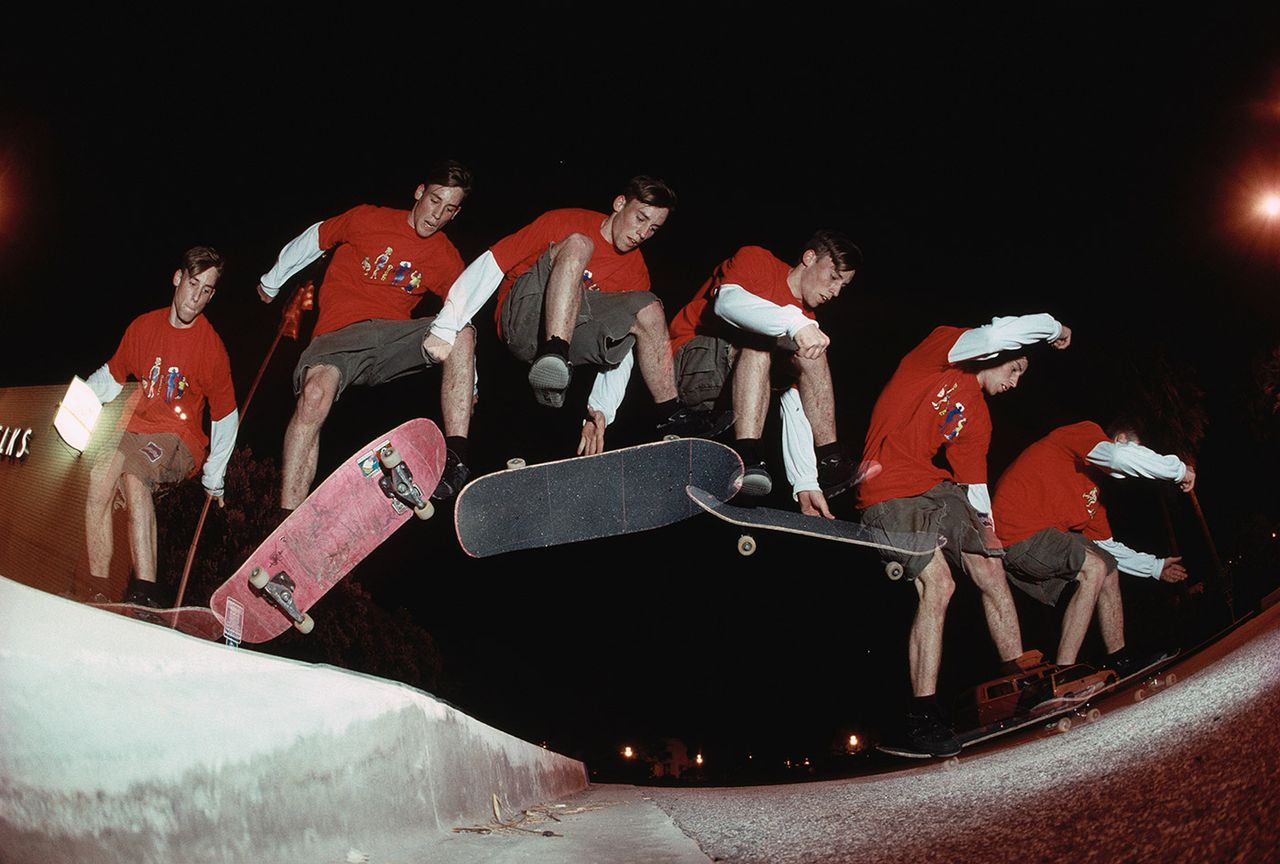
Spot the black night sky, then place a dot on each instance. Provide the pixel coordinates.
(1103, 168)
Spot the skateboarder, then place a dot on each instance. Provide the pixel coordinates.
(386, 261)
(1055, 530)
(573, 290)
(935, 405)
(754, 314)
(180, 362)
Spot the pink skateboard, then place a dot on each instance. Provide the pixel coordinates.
(344, 519)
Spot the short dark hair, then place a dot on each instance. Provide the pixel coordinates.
(842, 251)
(650, 190)
(1125, 423)
(450, 172)
(198, 259)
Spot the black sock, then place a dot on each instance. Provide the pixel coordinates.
(458, 444)
(924, 704)
(664, 410)
(554, 345)
(748, 449)
(826, 450)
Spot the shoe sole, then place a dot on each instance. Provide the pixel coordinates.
(756, 486)
(549, 378)
(916, 754)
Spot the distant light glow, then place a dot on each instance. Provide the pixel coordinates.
(1269, 206)
(698, 759)
(628, 753)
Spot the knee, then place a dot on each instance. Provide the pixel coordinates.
(652, 317)
(1094, 574)
(988, 574)
(135, 491)
(936, 585)
(317, 398)
(754, 360)
(575, 247)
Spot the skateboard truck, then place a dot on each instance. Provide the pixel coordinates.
(279, 590)
(397, 483)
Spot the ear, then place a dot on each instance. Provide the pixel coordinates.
(177, 277)
(809, 258)
(422, 190)
(619, 203)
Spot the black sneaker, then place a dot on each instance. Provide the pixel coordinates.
(756, 481)
(140, 597)
(838, 473)
(688, 423)
(452, 478)
(923, 735)
(550, 376)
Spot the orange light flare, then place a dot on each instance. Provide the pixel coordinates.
(628, 753)
(1268, 206)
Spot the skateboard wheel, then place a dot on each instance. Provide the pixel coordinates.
(426, 511)
(1063, 724)
(670, 437)
(306, 624)
(389, 457)
(1140, 695)
(259, 578)
(746, 545)
(515, 462)
(1171, 679)
(951, 763)
(893, 570)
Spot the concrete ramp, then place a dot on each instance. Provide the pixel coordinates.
(121, 741)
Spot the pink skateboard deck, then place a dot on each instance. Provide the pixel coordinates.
(344, 519)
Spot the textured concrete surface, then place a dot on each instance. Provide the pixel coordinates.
(121, 741)
(1188, 774)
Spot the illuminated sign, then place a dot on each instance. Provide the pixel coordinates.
(14, 441)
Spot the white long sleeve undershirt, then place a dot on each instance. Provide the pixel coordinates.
(797, 445)
(610, 388)
(1133, 460)
(296, 254)
(1004, 334)
(746, 311)
(468, 293)
(222, 440)
(1133, 562)
(103, 384)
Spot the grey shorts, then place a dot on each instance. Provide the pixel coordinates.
(154, 458)
(367, 352)
(601, 335)
(944, 510)
(704, 365)
(1048, 561)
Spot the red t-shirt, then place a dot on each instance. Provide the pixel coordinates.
(1052, 485)
(179, 369)
(608, 270)
(928, 404)
(381, 268)
(753, 268)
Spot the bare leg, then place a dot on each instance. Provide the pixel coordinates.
(563, 296)
(457, 385)
(997, 604)
(750, 392)
(98, 533)
(924, 646)
(1111, 613)
(818, 397)
(142, 528)
(653, 352)
(1075, 621)
(302, 438)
